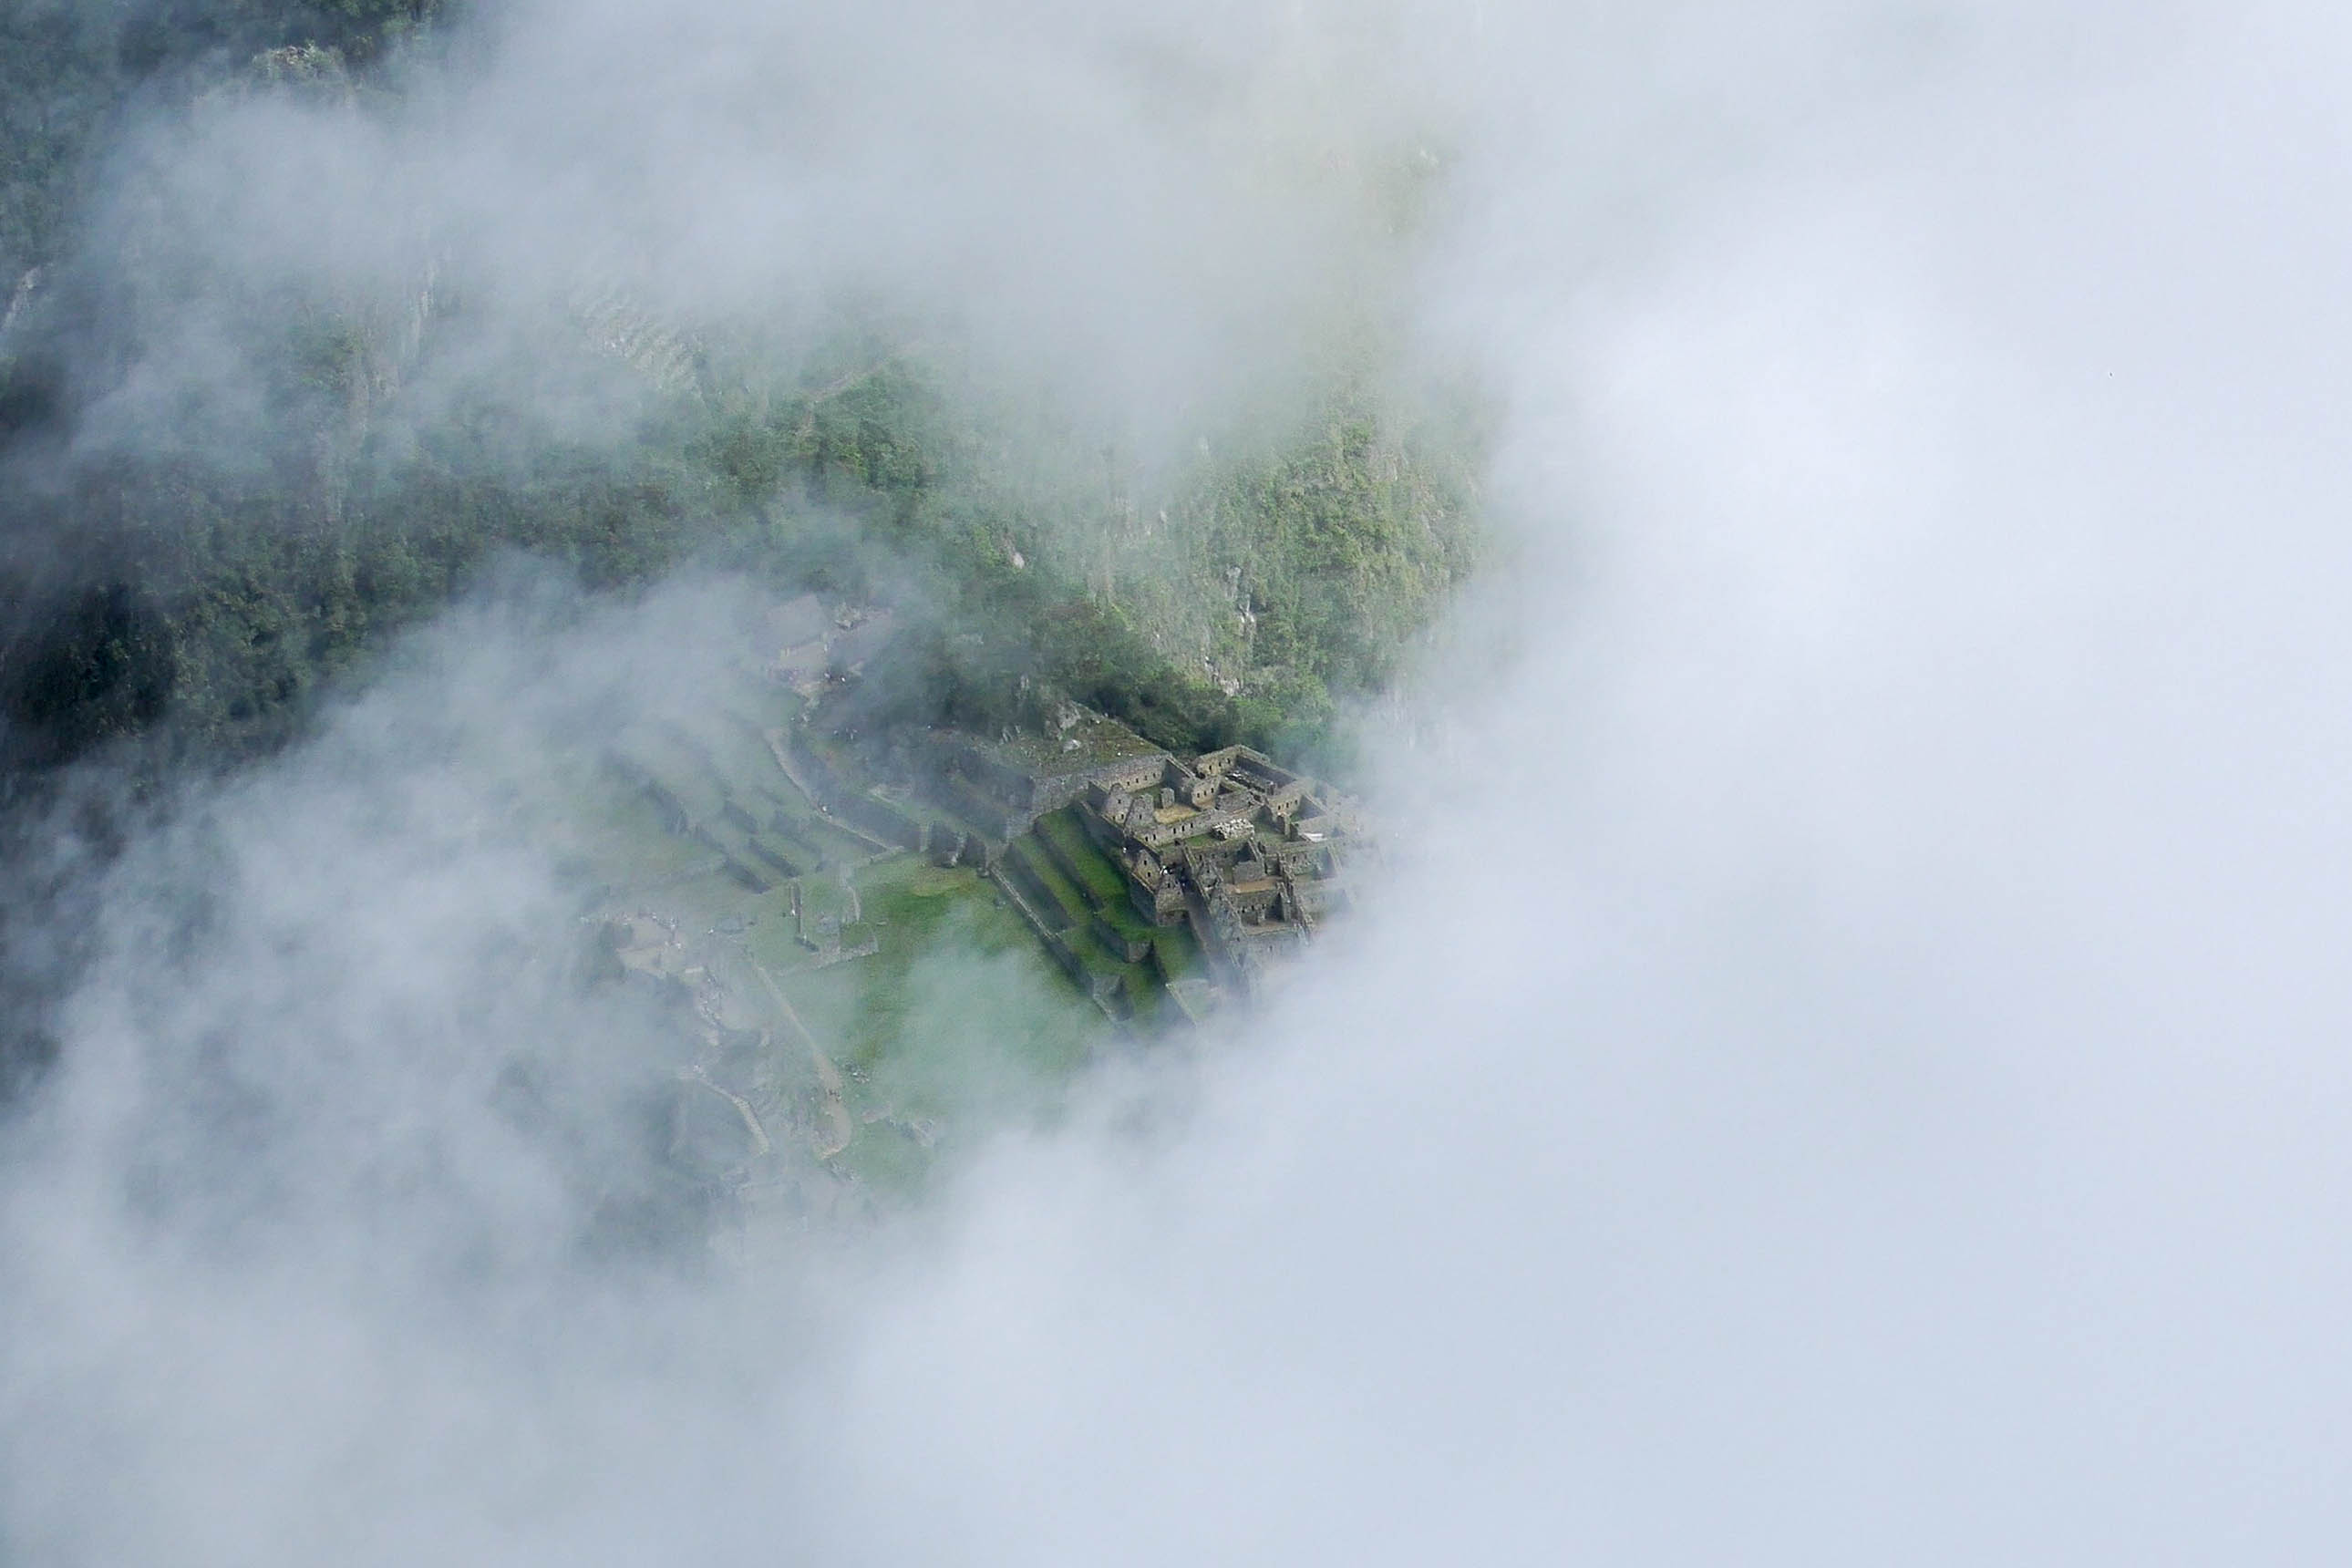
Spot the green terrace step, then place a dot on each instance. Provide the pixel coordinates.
(1088, 866)
(1047, 880)
(1101, 958)
(757, 831)
(1127, 947)
(1103, 884)
(1176, 954)
(770, 855)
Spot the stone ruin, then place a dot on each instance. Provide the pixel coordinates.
(1255, 857)
(1251, 857)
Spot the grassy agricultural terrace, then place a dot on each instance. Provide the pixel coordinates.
(852, 941)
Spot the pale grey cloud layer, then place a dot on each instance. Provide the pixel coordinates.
(1852, 1069)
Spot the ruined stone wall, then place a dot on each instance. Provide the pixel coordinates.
(1255, 903)
(775, 858)
(992, 817)
(1016, 789)
(1032, 793)
(1133, 949)
(1107, 835)
(1063, 861)
(1135, 775)
(884, 821)
(1049, 909)
(1103, 990)
(1163, 905)
(1052, 792)
(815, 772)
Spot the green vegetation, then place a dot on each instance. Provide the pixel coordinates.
(223, 577)
(1176, 953)
(1075, 854)
(1079, 892)
(934, 1006)
(67, 72)
(188, 581)
(236, 601)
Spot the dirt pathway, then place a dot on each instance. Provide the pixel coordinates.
(828, 1077)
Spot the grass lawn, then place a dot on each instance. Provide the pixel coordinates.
(1103, 882)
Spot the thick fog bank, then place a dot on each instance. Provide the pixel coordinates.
(1156, 217)
(1849, 1067)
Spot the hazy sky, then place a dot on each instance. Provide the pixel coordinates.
(1851, 1068)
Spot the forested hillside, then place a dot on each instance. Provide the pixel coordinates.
(190, 569)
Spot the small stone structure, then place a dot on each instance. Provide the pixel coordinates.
(1008, 782)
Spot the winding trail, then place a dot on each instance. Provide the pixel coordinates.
(827, 1075)
(775, 739)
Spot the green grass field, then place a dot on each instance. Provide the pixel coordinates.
(960, 1020)
(1102, 881)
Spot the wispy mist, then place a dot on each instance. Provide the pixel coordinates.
(1846, 1065)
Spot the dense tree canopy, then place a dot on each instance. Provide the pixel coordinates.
(202, 592)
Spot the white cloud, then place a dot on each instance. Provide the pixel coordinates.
(1852, 1071)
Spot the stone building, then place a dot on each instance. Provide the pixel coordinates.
(1005, 785)
(1240, 848)
(1250, 856)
